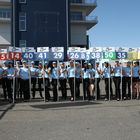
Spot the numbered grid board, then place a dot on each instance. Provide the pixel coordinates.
(57, 53)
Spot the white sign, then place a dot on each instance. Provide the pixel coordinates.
(43, 49)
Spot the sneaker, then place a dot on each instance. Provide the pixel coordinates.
(106, 99)
(72, 99)
(124, 98)
(118, 99)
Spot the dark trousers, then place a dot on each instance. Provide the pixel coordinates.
(33, 82)
(9, 84)
(126, 83)
(63, 87)
(86, 88)
(77, 87)
(40, 82)
(47, 85)
(71, 84)
(117, 82)
(108, 87)
(97, 87)
(4, 87)
(54, 86)
(25, 89)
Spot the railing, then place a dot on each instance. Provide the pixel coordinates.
(83, 18)
(84, 1)
(91, 18)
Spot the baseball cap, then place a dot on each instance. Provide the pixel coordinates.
(46, 62)
(32, 62)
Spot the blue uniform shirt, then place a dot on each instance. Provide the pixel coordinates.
(135, 71)
(92, 73)
(24, 73)
(106, 72)
(33, 71)
(71, 72)
(85, 74)
(97, 74)
(127, 71)
(39, 71)
(54, 73)
(47, 72)
(78, 72)
(117, 71)
(63, 73)
(10, 72)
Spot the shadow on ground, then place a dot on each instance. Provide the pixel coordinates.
(6, 109)
(62, 104)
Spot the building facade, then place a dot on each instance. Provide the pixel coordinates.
(81, 21)
(40, 23)
(5, 23)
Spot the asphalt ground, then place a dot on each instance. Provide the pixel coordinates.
(66, 120)
(96, 120)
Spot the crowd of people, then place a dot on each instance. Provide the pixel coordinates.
(27, 78)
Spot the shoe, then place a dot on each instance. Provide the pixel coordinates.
(106, 99)
(118, 99)
(72, 99)
(124, 98)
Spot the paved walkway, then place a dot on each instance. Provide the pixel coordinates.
(71, 121)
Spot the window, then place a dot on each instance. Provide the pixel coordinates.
(22, 21)
(22, 1)
(22, 43)
(76, 16)
(5, 13)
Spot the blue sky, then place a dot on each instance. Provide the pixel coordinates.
(119, 24)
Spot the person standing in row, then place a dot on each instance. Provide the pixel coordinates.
(108, 81)
(97, 79)
(135, 80)
(78, 78)
(11, 73)
(33, 75)
(71, 76)
(24, 76)
(40, 78)
(63, 80)
(4, 79)
(117, 70)
(54, 75)
(85, 76)
(91, 81)
(126, 80)
(47, 73)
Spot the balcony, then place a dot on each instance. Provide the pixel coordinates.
(88, 21)
(5, 15)
(83, 5)
(5, 2)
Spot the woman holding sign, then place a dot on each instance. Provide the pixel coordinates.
(117, 70)
(108, 81)
(54, 75)
(86, 81)
(135, 79)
